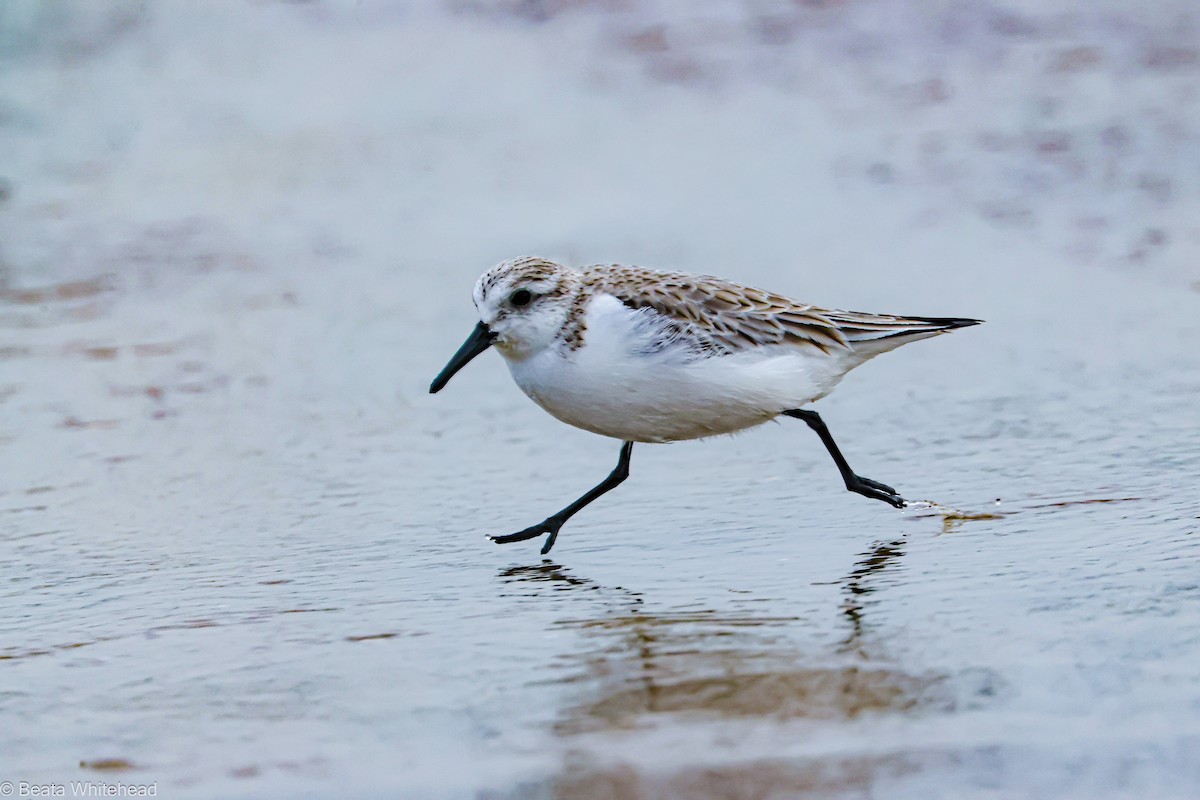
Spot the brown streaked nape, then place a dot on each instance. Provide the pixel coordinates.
(575, 325)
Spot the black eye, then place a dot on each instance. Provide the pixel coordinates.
(521, 297)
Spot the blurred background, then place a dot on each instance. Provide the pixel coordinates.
(243, 547)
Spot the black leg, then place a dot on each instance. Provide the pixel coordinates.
(555, 521)
(855, 483)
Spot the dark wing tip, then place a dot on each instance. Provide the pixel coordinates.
(950, 323)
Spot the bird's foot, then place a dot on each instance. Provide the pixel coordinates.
(547, 526)
(876, 490)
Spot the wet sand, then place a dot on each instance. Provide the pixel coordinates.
(244, 548)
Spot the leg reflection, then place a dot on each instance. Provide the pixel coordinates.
(859, 583)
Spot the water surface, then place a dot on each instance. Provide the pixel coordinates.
(244, 549)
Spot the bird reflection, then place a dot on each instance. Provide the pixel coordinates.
(630, 661)
(859, 583)
(536, 579)
(640, 667)
(548, 571)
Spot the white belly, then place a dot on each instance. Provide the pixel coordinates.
(660, 399)
(622, 383)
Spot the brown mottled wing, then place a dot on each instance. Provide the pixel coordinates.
(722, 317)
(719, 317)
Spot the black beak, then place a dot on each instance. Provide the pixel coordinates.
(479, 340)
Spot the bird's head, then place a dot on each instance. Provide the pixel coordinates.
(523, 304)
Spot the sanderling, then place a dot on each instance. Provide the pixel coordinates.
(647, 356)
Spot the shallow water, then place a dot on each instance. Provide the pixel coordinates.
(243, 546)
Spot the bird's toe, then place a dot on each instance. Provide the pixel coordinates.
(532, 532)
(877, 491)
(883, 487)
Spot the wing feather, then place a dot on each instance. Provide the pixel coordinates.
(720, 317)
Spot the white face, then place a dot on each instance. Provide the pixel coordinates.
(525, 302)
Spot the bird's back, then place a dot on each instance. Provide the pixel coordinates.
(725, 318)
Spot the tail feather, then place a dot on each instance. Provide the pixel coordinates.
(932, 325)
(872, 334)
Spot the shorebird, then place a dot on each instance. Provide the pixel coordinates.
(647, 356)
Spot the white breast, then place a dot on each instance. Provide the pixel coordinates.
(620, 384)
